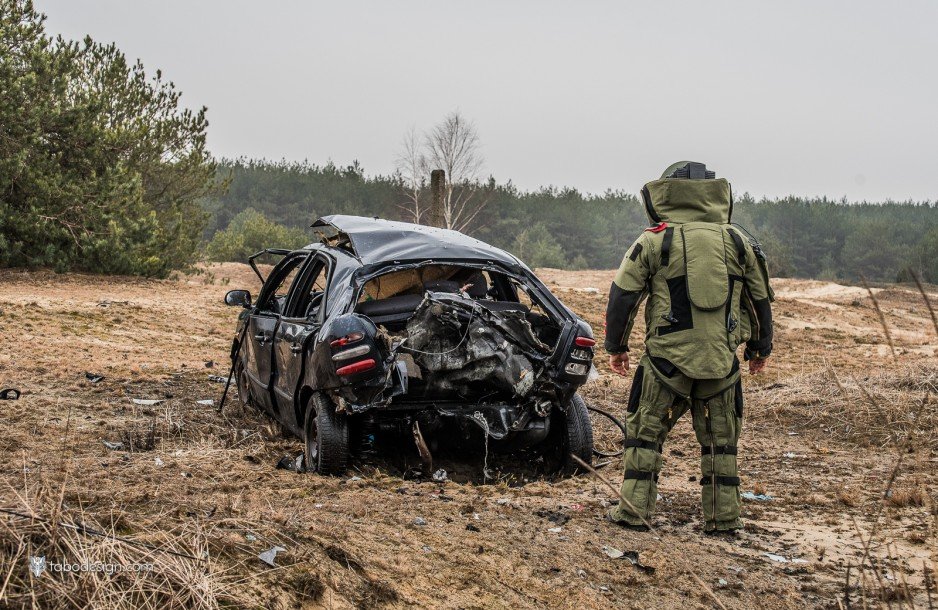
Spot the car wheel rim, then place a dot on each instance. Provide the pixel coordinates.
(312, 446)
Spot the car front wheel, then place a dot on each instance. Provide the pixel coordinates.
(327, 449)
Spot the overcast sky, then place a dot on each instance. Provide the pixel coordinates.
(811, 98)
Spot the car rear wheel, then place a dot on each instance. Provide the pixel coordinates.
(327, 436)
(572, 433)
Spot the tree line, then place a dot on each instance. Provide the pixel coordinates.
(563, 227)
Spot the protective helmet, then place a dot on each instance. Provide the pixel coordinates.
(689, 169)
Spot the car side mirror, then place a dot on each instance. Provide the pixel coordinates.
(238, 297)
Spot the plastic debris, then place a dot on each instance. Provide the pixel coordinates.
(420, 521)
(353, 478)
(553, 516)
(217, 379)
(158, 461)
(632, 557)
(94, 377)
(439, 476)
(783, 559)
(147, 402)
(722, 582)
(113, 445)
(748, 495)
(270, 555)
(613, 553)
(10, 394)
(555, 530)
(208, 402)
(250, 537)
(290, 463)
(791, 455)
(502, 501)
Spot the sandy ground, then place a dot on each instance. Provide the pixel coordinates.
(825, 428)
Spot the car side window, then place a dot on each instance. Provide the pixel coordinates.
(313, 291)
(276, 300)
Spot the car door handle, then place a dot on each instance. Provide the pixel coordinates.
(296, 348)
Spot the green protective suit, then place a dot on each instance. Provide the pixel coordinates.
(708, 293)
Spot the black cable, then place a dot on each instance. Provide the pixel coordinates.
(616, 421)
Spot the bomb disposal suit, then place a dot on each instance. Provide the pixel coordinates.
(708, 293)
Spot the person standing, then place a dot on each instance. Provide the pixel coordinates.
(708, 292)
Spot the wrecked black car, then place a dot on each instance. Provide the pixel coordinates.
(393, 327)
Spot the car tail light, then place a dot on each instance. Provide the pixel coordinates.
(357, 367)
(352, 352)
(349, 338)
(585, 342)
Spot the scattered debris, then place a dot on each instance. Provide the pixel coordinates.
(502, 501)
(791, 455)
(291, 464)
(250, 537)
(553, 516)
(113, 445)
(158, 461)
(439, 476)
(472, 528)
(148, 402)
(632, 557)
(748, 495)
(420, 521)
(555, 530)
(208, 402)
(353, 478)
(612, 553)
(783, 559)
(10, 394)
(210, 364)
(94, 377)
(218, 379)
(270, 555)
(722, 582)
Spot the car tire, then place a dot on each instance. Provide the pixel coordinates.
(573, 435)
(243, 385)
(326, 432)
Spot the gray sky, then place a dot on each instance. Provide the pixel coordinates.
(804, 97)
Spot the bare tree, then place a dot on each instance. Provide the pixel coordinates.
(413, 169)
(453, 146)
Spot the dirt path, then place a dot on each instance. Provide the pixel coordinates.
(199, 482)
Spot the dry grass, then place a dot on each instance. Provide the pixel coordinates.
(177, 572)
(842, 410)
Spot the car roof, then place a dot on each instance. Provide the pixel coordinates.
(375, 240)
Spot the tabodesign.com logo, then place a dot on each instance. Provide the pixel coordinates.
(38, 565)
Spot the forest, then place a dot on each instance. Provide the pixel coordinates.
(565, 228)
